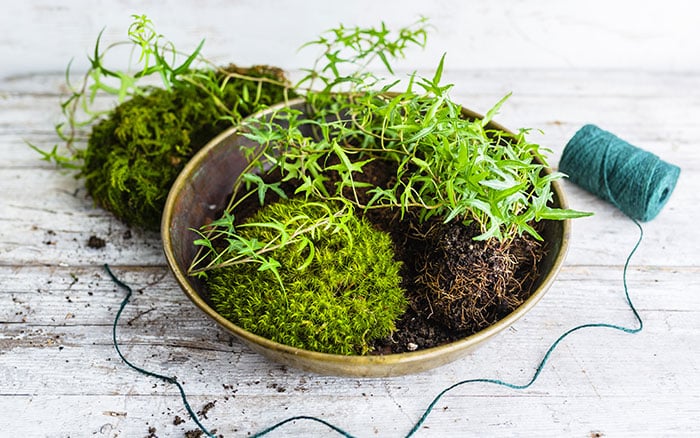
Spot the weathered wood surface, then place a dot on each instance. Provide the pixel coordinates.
(624, 34)
(631, 70)
(60, 375)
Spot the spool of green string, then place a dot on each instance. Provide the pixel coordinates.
(636, 181)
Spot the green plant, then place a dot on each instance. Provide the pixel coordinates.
(341, 290)
(134, 155)
(136, 149)
(445, 166)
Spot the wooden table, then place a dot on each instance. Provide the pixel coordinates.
(60, 375)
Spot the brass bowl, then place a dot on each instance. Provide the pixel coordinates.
(201, 191)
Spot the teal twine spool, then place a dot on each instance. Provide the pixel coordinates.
(636, 181)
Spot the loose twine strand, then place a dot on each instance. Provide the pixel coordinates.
(635, 181)
(431, 406)
(172, 380)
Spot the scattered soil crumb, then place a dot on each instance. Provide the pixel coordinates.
(196, 433)
(152, 432)
(277, 387)
(50, 241)
(95, 242)
(205, 410)
(178, 420)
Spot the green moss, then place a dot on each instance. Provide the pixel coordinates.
(133, 156)
(347, 297)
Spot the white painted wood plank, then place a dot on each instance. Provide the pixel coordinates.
(58, 333)
(627, 34)
(59, 374)
(465, 416)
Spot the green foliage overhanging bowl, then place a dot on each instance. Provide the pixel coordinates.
(202, 191)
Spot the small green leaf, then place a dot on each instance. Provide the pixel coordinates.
(438, 71)
(492, 112)
(561, 214)
(188, 62)
(421, 163)
(270, 264)
(306, 243)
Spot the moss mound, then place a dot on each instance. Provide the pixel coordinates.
(349, 295)
(133, 156)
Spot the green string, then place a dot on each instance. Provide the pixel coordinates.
(431, 406)
(546, 356)
(303, 417)
(634, 180)
(168, 379)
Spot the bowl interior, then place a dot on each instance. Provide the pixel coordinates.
(203, 189)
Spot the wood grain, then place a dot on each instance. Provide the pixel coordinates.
(42, 36)
(60, 375)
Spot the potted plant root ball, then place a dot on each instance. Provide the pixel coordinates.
(370, 227)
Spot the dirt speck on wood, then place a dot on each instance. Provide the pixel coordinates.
(95, 242)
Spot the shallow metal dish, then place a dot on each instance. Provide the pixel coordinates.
(202, 190)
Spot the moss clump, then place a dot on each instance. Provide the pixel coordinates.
(348, 296)
(133, 156)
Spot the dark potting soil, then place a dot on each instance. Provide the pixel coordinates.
(456, 286)
(96, 242)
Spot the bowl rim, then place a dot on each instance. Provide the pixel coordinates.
(334, 361)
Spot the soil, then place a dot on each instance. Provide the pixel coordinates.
(205, 410)
(95, 242)
(456, 286)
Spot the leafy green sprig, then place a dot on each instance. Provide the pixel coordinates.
(447, 165)
(155, 56)
(152, 57)
(347, 52)
(300, 231)
(456, 168)
(167, 105)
